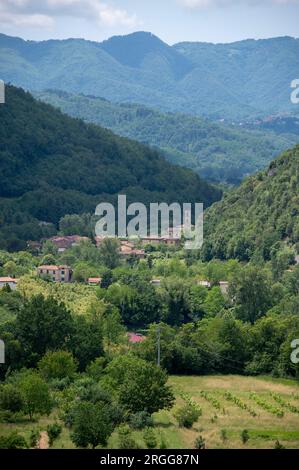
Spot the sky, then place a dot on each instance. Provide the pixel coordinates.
(171, 20)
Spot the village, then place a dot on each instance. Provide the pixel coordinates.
(129, 249)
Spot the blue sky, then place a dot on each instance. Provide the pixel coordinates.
(171, 20)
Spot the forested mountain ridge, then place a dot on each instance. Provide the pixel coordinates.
(229, 81)
(258, 218)
(215, 151)
(52, 165)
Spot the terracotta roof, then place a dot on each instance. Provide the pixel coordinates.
(53, 267)
(8, 279)
(67, 241)
(95, 280)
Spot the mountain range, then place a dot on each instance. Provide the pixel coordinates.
(219, 81)
(216, 151)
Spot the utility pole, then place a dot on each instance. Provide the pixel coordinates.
(158, 346)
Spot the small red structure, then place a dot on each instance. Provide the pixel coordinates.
(94, 281)
(135, 338)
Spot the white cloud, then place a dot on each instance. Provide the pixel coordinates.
(7, 18)
(43, 13)
(197, 4)
(114, 16)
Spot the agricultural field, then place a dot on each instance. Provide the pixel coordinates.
(261, 409)
(267, 408)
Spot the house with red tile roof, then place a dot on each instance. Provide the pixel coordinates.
(9, 281)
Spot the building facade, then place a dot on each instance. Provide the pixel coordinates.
(55, 273)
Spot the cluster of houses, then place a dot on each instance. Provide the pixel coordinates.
(127, 249)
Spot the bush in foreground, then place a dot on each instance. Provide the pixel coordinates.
(187, 415)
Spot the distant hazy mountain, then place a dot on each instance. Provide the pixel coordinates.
(216, 151)
(229, 81)
(52, 165)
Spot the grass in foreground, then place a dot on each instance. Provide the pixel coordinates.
(222, 420)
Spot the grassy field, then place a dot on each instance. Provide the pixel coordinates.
(267, 408)
(219, 413)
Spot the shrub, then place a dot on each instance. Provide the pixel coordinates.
(35, 393)
(34, 438)
(150, 438)
(54, 431)
(11, 398)
(200, 443)
(96, 367)
(7, 416)
(163, 443)
(92, 424)
(187, 415)
(141, 420)
(13, 441)
(60, 384)
(125, 438)
(223, 434)
(244, 436)
(57, 365)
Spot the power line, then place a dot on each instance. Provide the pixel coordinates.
(158, 345)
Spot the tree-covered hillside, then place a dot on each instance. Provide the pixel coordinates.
(217, 152)
(228, 81)
(258, 218)
(52, 165)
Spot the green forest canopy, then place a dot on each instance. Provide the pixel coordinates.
(216, 151)
(263, 211)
